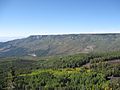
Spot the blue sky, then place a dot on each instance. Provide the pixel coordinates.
(28, 17)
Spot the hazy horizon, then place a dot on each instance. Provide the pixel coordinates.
(58, 17)
(5, 38)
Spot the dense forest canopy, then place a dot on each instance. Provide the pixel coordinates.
(91, 71)
(59, 44)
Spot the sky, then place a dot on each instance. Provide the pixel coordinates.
(21, 18)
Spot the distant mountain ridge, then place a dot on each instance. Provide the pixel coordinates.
(47, 45)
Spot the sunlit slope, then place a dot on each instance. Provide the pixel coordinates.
(47, 45)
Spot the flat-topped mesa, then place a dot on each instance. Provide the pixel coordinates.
(66, 44)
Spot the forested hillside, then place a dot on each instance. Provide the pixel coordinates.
(91, 71)
(47, 45)
(61, 62)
